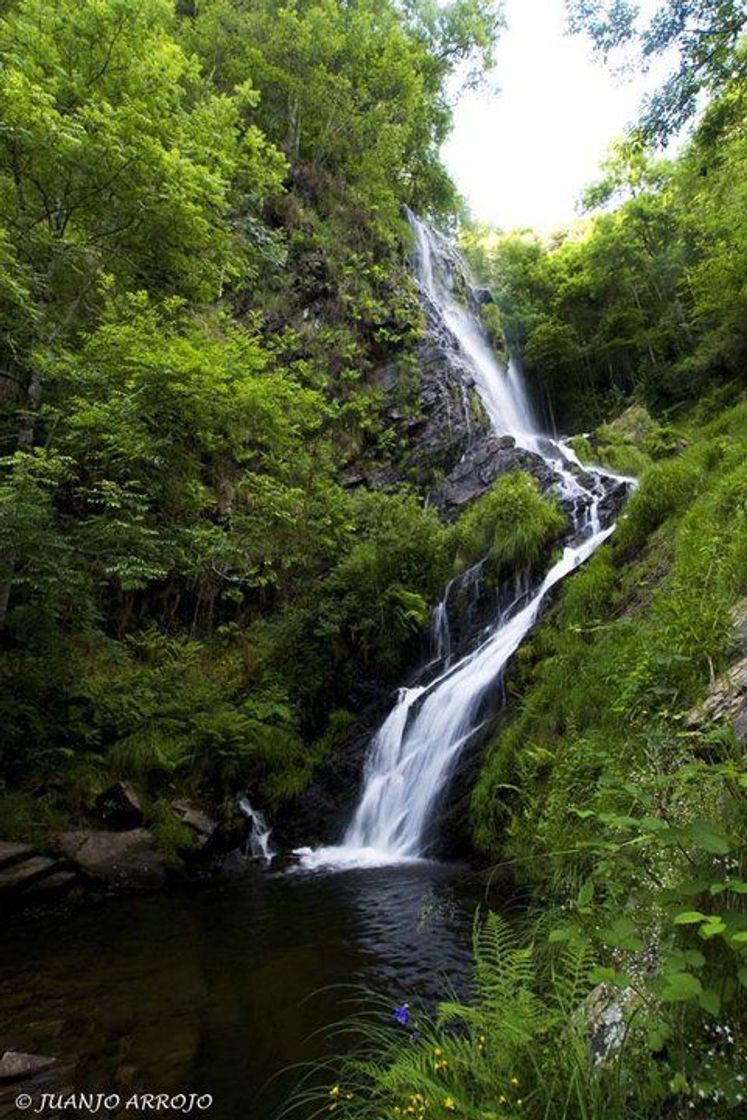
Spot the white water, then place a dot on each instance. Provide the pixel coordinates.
(413, 754)
(259, 832)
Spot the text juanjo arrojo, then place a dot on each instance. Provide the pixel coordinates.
(110, 1102)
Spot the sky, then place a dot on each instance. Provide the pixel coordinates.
(521, 156)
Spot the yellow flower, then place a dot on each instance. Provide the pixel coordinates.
(335, 1091)
(514, 1081)
(449, 1104)
(438, 1052)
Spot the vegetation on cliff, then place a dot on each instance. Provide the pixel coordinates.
(204, 265)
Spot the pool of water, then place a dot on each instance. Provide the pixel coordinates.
(222, 989)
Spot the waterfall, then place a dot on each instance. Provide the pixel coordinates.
(413, 754)
(259, 832)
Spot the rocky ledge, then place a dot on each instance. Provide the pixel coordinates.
(117, 854)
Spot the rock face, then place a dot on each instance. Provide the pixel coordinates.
(482, 464)
(320, 813)
(128, 860)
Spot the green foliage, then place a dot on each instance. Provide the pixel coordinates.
(202, 265)
(520, 1047)
(512, 525)
(629, 813)
(703, 34)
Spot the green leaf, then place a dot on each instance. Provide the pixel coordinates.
(712, 927)
(690, 918)
(586, 893)
(705, 837)
(681, 987)
(710, 1001)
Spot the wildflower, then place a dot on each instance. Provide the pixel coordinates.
(402, 1014)
(449, 1104)
(514, 1081)
(438, 1052)
(335, 1091)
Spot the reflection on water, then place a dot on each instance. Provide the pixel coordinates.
(222, 989)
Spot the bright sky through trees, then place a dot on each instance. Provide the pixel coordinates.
(522, 155)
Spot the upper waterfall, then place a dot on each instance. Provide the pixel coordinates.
(501, 390)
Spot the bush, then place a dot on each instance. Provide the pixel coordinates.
(513, 525)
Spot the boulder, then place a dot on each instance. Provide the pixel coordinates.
(15, 1065)
(608, 1010)
(127, 860)
(119, 807)
(195, 819)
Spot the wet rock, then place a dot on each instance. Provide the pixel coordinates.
(127, 860)
(16, 1066)
(119, 807)
(739, 616)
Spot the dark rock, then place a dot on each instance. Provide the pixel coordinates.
(482, 464)
(320, 813)
(16, 1066)
(119, 807)
(52, 887)
(483, 296)
(128, 860)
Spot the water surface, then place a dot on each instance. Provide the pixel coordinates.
(223, 988)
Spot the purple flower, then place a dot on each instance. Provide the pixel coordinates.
(402, 1014)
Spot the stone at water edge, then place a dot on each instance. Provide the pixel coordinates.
(129, 860)
(25, 873)
(15, 1065)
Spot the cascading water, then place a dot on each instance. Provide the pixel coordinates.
(413, 754)
(259, 832)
